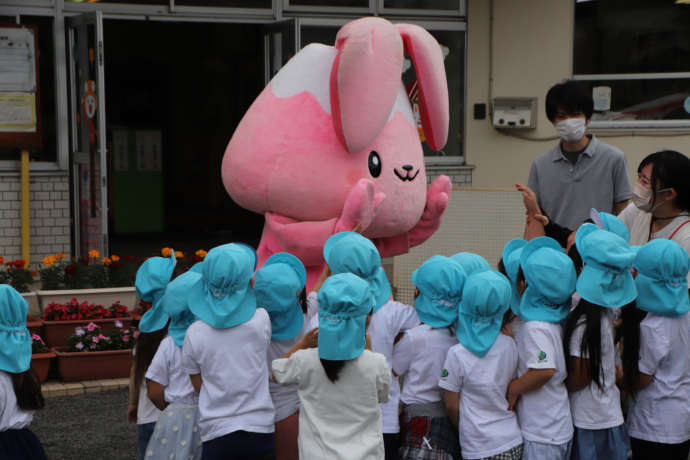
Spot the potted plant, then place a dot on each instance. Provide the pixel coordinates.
(95, 279)
(16, 274)
(40, 357)
(61, 319)
(35, 325)
(92, 353)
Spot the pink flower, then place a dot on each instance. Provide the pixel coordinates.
(118, 324)
(101, 336)
(125, 338)
(93, 346)
(35, 337)
(91, 327)
(95, 339)
(136, 333)
(79, 346)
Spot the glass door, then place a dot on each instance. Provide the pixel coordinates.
(88, 133)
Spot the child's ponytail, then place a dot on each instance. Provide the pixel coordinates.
(629, 331)
(27, 389)
(591, 338)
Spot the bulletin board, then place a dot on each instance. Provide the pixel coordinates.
(479, 220)
(20, 121)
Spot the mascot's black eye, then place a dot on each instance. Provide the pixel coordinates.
(374, 164)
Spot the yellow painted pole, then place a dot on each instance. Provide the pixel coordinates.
(26, 244)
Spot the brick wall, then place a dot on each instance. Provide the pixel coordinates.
(459, 175)
(49, 213)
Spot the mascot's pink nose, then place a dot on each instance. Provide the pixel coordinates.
(408, 168)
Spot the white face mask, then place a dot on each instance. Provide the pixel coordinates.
(642, 197)
(571, 129)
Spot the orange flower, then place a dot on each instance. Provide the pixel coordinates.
(94, 254)
(106, 261)
(201, 253)
(49, 260)
(165, 252)
(2, 260)
(61, 255)
(115, 258)
(179, 254)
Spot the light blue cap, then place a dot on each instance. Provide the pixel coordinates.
(485, 299)
(662, 269)
(344, 302)
(224, 298)
(511, 262)
(350, 252)
(611, 223)
(152, 278)
(605, 279)
(550, 276)
(176, 305)
(471, 262)
(15, 339)
(278, 286)
(440, 281)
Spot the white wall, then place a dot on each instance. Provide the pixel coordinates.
(532, 50)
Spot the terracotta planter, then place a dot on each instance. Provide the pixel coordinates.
(40, 363)
(106, 296)
(93, 365)
(34, 324)
(57, 332)
(32, 299)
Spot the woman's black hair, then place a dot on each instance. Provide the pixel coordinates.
(591, 338)
(332, 368)
(571, 97)
(303, 299)
(670, 169)
(629, 332)
(27, 389)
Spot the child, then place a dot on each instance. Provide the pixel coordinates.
(152, 278)
(657, 364)
(477, 372)
(20, 391)
(604, 284)
(419, 356)
(471, 262)
(341, 383)
(176, 434)
(546, 280)
(350, 252)
(280, 288)
(224, 353)
(511, 265)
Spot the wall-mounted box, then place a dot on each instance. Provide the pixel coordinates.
(515, 112)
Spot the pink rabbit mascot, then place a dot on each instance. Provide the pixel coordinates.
(331, 143)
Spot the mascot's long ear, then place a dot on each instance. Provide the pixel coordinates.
(365, 80)
(427, 58)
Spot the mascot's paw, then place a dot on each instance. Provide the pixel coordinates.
(360, 206)
(437, 198)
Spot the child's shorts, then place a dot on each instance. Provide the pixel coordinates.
(427, 434)
(512, 454)
(541, 451)
(607, 444)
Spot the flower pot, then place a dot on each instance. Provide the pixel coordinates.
(106, 296)
(32, 299)
(57, 332)
(93, 365)
(34, 324)
(40, 363)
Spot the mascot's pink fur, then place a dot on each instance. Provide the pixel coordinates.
(331, 142)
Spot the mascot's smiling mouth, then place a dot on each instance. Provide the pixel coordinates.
(407, 177)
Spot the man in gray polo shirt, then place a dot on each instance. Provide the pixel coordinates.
(580, 172)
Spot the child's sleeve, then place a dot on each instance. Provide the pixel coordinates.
(575, 344)
(538, 350)
(287, 371)
(405, 318)
(383, 380)
(189, 363)
(403, 352)
(158, 370)
(654, 347)
(312, 305)
(452, 375)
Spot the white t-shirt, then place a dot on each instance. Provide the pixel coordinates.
(147, 412)
(11, 416)
(166, 369)
(661, 411)
(232, 363)
(638, 223)
(341, 420)
(592, 408)
(486, 426)
(420, 355)
(544, 414)
(388, 321)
